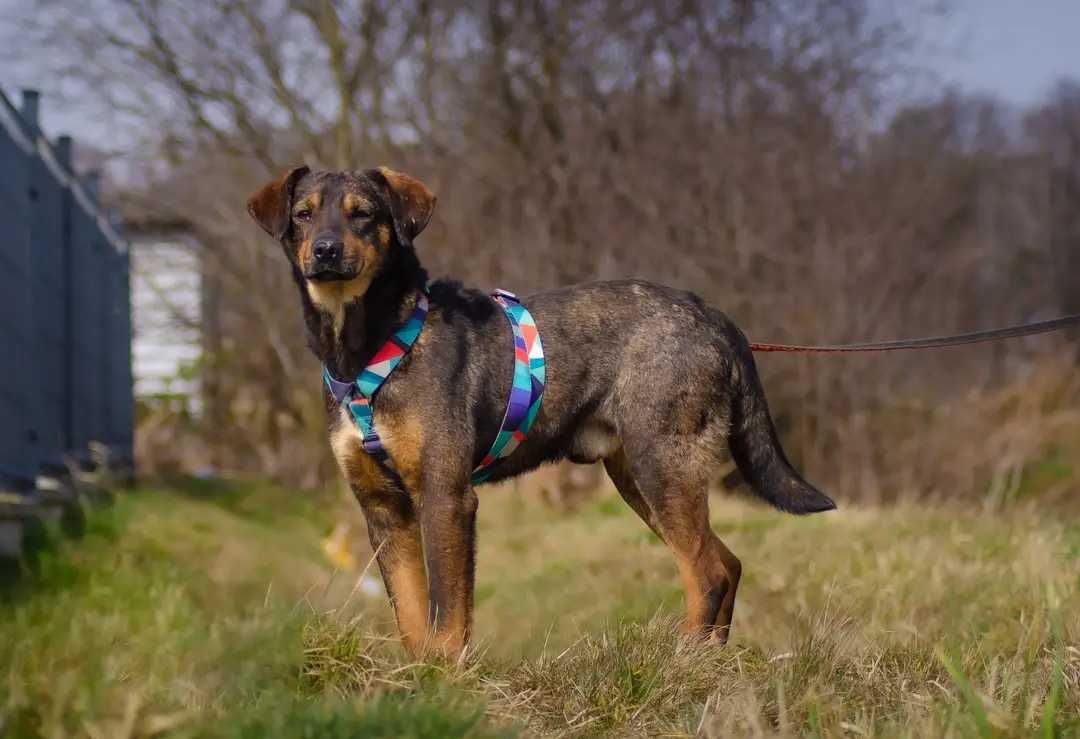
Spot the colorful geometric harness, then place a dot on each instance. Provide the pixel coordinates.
(526, 392)
(356, 396)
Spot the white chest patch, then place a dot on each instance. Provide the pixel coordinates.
(345, 440)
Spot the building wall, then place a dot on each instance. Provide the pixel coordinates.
(166, 290)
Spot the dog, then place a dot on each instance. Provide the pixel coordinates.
(647, 379)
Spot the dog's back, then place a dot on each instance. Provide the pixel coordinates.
(654, 370)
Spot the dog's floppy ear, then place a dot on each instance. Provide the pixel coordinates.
(410, 201)
(270, 206)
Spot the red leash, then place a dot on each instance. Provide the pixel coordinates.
(1012, 332)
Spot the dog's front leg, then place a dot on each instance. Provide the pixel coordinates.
(394, 531)
(448, 521)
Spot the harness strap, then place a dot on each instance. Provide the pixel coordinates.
(526, 391)
(522, 407)
(356, 396)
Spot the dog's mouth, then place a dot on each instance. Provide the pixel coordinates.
(330, 274)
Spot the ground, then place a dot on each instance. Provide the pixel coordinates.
(214, 610)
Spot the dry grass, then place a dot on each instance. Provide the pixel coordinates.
(209, 615)
(903, 621)
(993, 446)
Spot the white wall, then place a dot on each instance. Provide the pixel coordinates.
(166, 315)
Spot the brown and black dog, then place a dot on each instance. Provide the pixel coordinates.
(646, 378)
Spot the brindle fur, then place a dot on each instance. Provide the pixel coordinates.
(648, 379)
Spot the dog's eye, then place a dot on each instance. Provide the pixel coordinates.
(302, 215)
(360, 215)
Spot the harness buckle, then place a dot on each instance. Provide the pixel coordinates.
(506, 295)
(373, 444)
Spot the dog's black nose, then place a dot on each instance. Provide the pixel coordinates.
(327, 250)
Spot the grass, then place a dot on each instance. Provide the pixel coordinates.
(213, 611)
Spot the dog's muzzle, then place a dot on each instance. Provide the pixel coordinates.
(328, 261)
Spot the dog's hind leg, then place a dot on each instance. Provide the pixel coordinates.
(618, 469)
(674, 498)
(710, 571)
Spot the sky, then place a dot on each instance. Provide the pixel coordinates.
(1014, 49)
(1011, 48)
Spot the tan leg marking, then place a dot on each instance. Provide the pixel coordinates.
(709, 571)
(394, 530)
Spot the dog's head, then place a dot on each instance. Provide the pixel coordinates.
(339, 228)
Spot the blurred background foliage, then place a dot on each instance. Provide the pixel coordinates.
(753, 151)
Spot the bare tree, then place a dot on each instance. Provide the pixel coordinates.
(731, 148)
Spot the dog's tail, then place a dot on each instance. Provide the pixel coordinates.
(756, 448)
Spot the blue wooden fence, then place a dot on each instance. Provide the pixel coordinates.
(65, 319)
